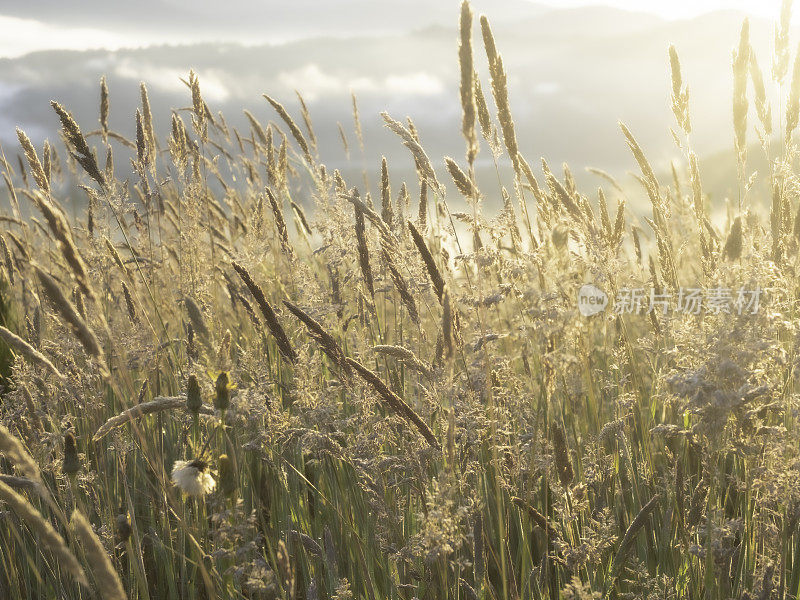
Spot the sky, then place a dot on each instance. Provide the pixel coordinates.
(50, 24)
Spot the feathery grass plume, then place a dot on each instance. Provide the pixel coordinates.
(463, 182)
(19, 483)
(427, 258)
(70, 315)
(420, 157)
(301, 215)
(47, 160)
(780, 63)
(395, 402)
(130, 304)
(325, 340)
(112, 251)
(109, 585)
(157, 405)
(650, 181)
(363, 250)
(680, 93)
(198, 107)
(46, 536)
(12, 194)
(39, 176)
(258, 128)
(280, 224)
(271, 319)
(741, 64)
(29, 405)
(77, 146)
(62, 232)
(733, 244)
(484, 118)
(538, 518)
(293, 128)
(619, 225)
(104, 106)
(387, 213)
(466, 86)
(17, 455)
(312, 138)
(8, 260)
(447, 323)
(357, 121)
(400, 283)
(141, 145)
(561, 454)
(634, 528)
(763, 108)
(343, 137)
(407, 357)
(500, 93)
(147, 119)
(195, 315)
(793, 104)
(422, 210)
(31, 353)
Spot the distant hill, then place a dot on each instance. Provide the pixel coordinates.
(573, 74)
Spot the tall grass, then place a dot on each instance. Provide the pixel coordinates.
(224, 387)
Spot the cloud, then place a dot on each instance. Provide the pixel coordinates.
(169, 79)
(314, 83)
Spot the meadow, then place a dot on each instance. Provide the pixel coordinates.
(229, 373)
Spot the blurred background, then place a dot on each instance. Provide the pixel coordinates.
(575, 69)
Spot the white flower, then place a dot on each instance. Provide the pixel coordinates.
(193, 477)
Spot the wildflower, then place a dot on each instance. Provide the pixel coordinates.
(193, 477)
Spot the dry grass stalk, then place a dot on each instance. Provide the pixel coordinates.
(326, 341)
(293, 128)
(79, 149)
(741, 64)
(70, 315)
(62, 232)
(395, 402)
(780, 64)
(363, 250)
(420, 157)
(271, 319)
(466, 86)
(407, 357)
(537, 517)
(561, 454)
(463, 183)
(108, 584)
(31, 353)
(400, 284)
(37, 170)
(20, 483)
(159, 404)
(634, 528)
(427, 258)
(104, 106)
(793, 105)
(17, 455)
(43, 531)
(304, 112)
(500, 93)
(357, 122)
(387, 213)
(280, 224)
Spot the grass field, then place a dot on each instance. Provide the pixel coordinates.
(218, 385)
